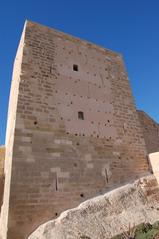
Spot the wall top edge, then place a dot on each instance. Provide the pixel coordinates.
(29, 23)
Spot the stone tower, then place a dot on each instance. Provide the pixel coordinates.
(73, 130)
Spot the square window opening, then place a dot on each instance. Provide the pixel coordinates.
(75, 67)
(80, 115)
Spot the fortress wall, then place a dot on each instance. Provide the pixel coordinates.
(2, 156)
(150, 130)
(77, 132)
(9, 144)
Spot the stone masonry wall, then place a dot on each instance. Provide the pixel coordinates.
(2, 157)
(150, 131)
(77, 132)
(10, 138)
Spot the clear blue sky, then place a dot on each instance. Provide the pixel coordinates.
(130, 27)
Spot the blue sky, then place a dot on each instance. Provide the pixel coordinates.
(130, 27)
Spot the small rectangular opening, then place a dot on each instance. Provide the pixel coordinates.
(75, 67)
(56, 183)
(106, 176)
(80, 115)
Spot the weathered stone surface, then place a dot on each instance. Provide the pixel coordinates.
(107, 215)
(150, 130)
(73, 131)
(154, 162)
(2, 157)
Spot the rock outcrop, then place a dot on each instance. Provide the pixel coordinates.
(107, 215)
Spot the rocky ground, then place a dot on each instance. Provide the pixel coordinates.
(114, 213)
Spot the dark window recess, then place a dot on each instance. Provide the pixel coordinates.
(56, 184)
(106, 176)
(75, 67)
(82, 195)
(81, 115)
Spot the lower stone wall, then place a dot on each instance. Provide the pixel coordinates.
(107, 215)
(2, 157)
(150, 130)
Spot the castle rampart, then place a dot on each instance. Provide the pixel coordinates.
(73, 130)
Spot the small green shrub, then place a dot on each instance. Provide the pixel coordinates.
(142, 231)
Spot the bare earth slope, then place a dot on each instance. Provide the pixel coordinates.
(107, 215)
